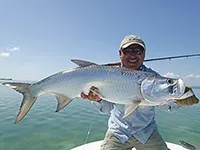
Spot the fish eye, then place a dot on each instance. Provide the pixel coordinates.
(170, 81)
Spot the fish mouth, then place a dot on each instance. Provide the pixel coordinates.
(179, 88)
(183, 93)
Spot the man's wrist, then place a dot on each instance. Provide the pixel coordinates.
(99, 100)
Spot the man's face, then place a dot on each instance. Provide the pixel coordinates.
(132, 56)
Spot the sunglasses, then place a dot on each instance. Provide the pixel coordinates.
(128, 51)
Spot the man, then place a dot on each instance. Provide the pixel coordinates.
(139, 129)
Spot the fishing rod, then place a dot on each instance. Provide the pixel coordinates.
(155, 59)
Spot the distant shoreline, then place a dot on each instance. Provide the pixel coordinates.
(5, 79)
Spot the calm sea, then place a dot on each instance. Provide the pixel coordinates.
(79, 123)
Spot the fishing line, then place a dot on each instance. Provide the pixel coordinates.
(89, 129)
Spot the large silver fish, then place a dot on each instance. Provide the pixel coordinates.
(116, 84)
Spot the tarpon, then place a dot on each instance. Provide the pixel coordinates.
(115, 84)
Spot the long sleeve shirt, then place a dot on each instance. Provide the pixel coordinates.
(140, 124)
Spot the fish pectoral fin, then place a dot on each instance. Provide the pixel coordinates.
(62, 101)
(130, 108)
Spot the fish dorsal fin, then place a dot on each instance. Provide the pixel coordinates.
(82, 63)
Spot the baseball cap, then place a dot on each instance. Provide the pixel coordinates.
(131, 39)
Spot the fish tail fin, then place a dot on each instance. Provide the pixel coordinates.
(28, 99)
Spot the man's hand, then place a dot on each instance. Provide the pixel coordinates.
(91, 95)
(188, 101)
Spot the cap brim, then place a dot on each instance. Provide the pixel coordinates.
(128, 44)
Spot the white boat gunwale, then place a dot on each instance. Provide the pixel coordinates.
(97, 144)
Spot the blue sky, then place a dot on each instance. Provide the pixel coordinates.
(38, 38)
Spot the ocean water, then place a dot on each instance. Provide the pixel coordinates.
(79, 123)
